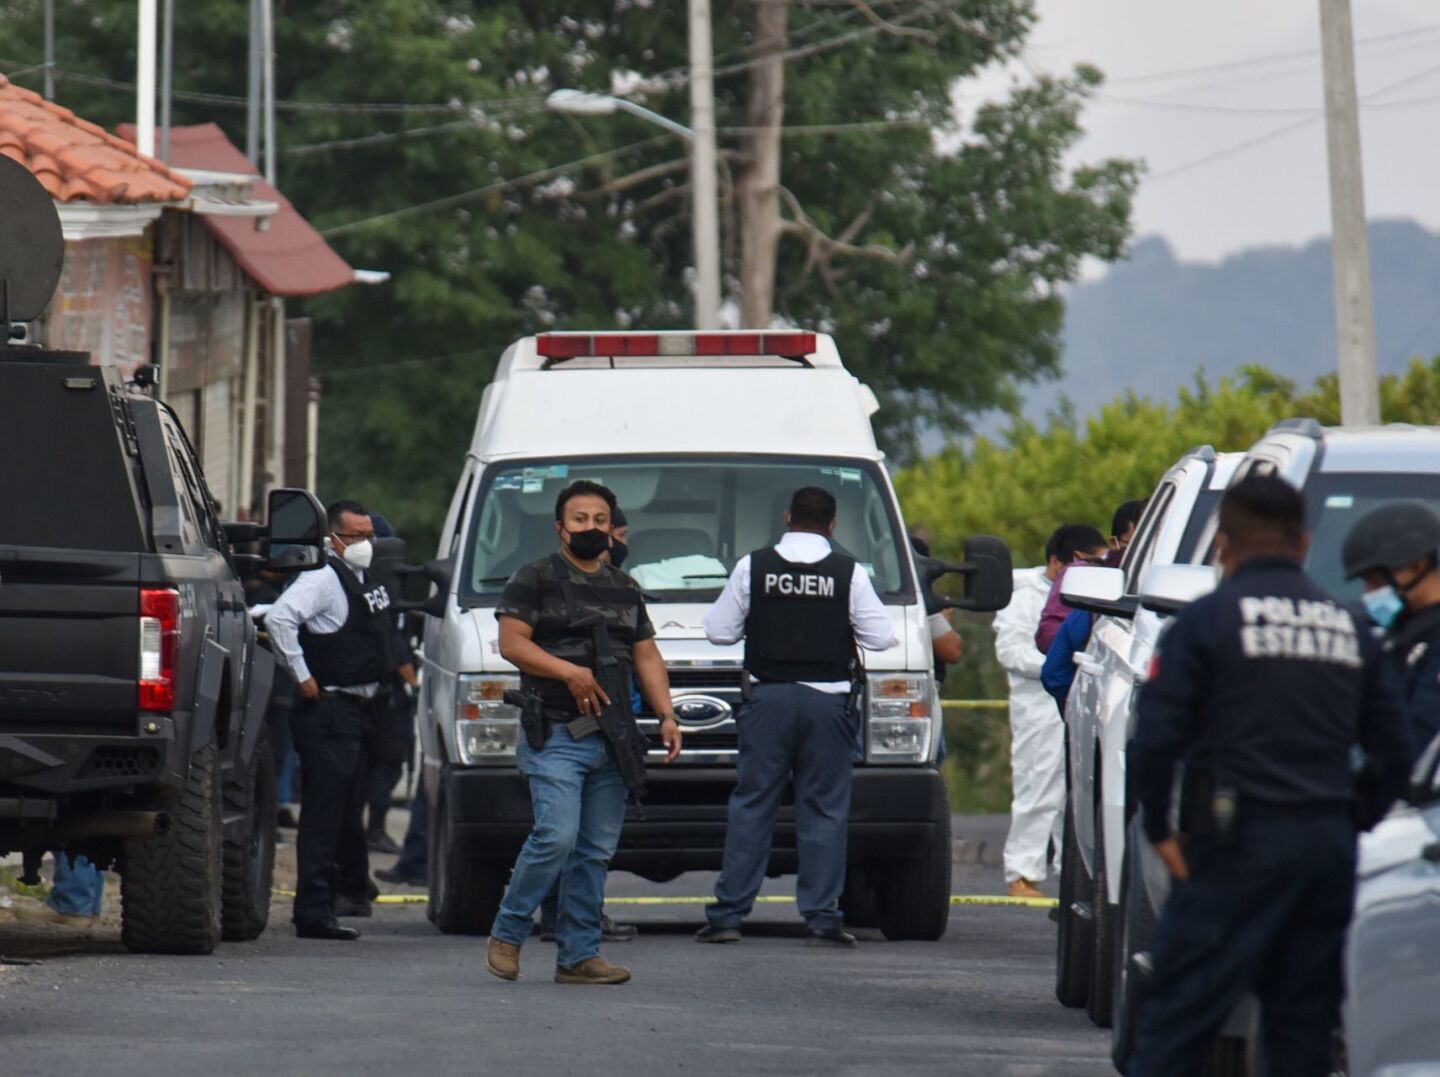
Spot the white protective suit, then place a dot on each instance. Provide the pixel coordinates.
(1037, 743)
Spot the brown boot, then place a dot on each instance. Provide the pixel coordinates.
(1024, 888)
(502, 959)
(594, 970)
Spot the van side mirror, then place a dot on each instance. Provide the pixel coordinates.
(435, 577)
(1097, 589)
(1168, 589)
(297, 530)
(1425, 778)
(989, 577)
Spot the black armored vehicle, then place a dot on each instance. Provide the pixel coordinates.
(132, 689)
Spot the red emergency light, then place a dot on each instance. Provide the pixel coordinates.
(555, 346)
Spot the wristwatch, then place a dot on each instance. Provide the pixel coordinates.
(669, 718)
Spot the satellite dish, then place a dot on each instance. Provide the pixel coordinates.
(32, 247)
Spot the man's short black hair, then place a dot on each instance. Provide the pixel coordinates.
(812, 507)
(584, 488)
(1077, 539)
(617, 517)
(1126, 516)
(1263, 508)
(337, 509)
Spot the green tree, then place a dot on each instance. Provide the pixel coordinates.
(932, 249)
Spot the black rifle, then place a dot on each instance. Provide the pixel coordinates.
(532, 715)
(616, 718)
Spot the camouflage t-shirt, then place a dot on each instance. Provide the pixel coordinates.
(536, 595)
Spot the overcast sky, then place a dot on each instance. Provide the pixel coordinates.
(1274, 191)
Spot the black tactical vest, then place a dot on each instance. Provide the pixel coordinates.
(363, 650)
(798, 628)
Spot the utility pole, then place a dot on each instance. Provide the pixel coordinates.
(1349, 247)
(167, 73)
(50, 50)
(145, 81)
(703, 186)
(267, 36)
(252, 97)
(757, 187)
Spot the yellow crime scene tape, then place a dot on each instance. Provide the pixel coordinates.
(955, 899)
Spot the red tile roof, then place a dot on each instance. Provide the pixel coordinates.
(289, 258)
(74, 159)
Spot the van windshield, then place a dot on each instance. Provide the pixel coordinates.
(690, 519)
(1335, 501)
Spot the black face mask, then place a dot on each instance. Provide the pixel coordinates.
(618, 552)
(588, 545)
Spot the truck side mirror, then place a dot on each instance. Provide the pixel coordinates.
(1097, 589)
(1168, 589)
(297, 530)
(989, 577)
(436, 598)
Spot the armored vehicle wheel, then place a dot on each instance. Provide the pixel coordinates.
(1072, 940)
(914, 899)
(170, 884)
(250, 859)
(465, 890)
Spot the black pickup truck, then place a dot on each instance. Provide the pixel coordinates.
(132, 690)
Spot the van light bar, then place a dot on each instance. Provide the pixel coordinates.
(654, 345)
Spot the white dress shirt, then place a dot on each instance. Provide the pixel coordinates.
(874, 629)
(317, 601)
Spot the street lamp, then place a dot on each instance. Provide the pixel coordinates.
(706, 223)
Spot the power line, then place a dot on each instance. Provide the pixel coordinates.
(1266, 60)
(1368, 100)
(450, 201)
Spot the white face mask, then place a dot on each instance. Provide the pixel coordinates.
(360, 554)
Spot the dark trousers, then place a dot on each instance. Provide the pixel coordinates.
(391, 744)
(789, 732)
(1266, 913)
(332, 858)
(415, 853)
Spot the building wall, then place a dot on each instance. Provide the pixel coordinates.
(105, 302)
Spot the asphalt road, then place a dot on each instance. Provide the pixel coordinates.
(406, 999)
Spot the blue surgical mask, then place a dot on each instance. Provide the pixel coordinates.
(1383, 605)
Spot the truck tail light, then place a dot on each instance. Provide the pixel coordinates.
(159, 647)
(665, 345)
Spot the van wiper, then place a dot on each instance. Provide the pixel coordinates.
(707, 576)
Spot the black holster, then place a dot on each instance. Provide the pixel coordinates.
(532, 716)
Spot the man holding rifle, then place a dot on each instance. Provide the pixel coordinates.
(572, 623)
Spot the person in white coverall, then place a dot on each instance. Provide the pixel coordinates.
(1037, 741)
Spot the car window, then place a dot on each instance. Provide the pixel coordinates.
(1335, 501)
(1142, 550)
(195, 503)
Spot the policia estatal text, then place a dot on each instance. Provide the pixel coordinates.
(801, 609)
(548, 614)
(1263, 690)
(332, 629)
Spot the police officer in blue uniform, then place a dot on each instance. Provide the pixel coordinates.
(1395, 549)
(801, 609)
(1263, 690)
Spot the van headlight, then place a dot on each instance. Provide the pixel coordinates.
(486, 727)
(901, 719)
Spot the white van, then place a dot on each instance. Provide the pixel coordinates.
(703, 437)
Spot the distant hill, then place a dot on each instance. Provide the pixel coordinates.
(1152, 322)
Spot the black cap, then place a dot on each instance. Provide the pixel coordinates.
(617, 518)
(1396, 534)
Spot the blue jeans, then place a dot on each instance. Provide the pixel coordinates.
(578, 799)
(785, 730)
(77, 888)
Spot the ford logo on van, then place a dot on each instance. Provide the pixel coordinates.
(701, 710)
